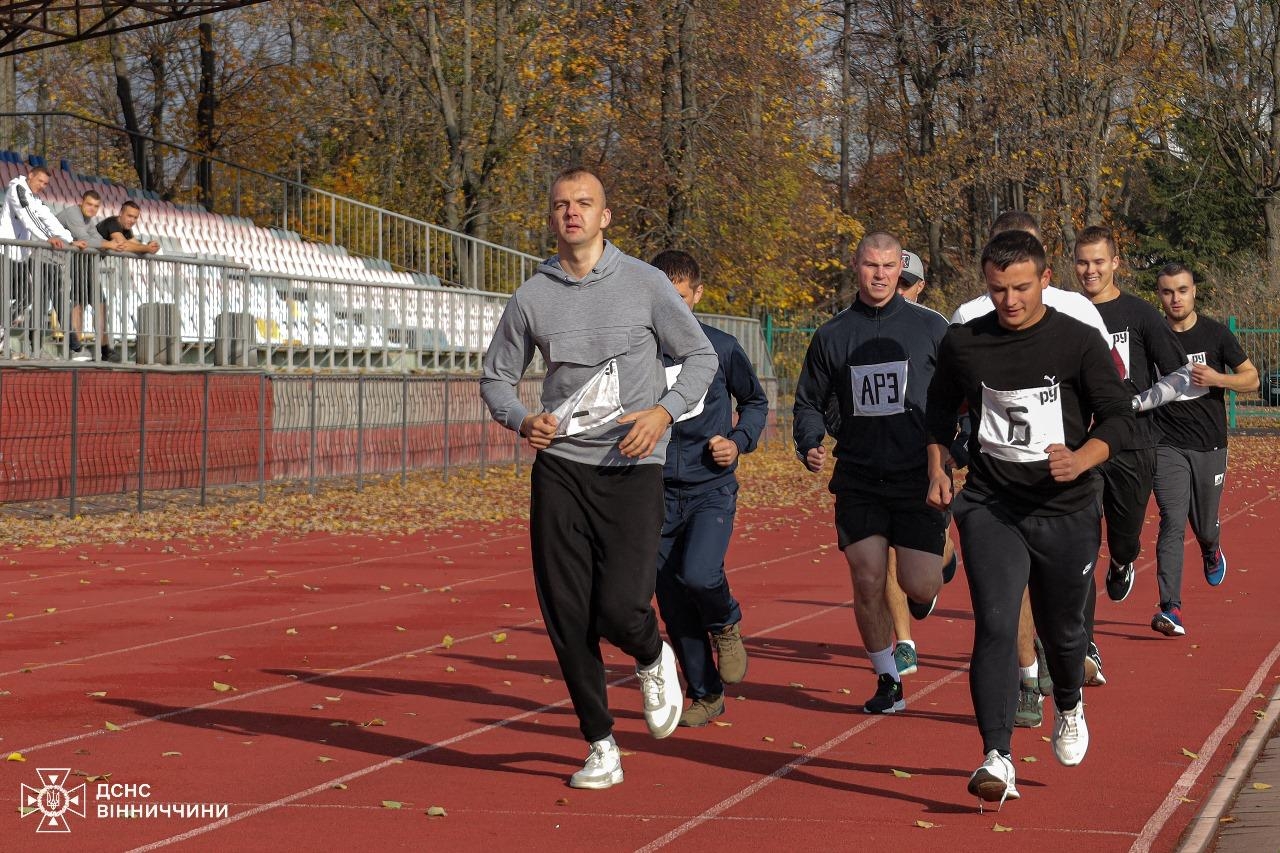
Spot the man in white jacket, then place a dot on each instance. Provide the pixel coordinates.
(26, 217)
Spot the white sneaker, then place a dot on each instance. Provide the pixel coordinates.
(993, 781)
(663, 699)
(1071, 735)
(603, 768)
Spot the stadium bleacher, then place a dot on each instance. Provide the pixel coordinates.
(307, 303)
(191, 231)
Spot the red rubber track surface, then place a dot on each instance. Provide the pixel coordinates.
(344, 694)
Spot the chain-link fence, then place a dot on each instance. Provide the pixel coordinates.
(69, 434)
(122, 437)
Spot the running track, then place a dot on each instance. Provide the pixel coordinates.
(345, 694)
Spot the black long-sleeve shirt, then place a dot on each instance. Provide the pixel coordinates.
(1147, 349)
(1028, 389)
(864, 380)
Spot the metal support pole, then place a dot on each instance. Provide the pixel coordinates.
(1231, 395)
(142, 438)
(484, 445)
(404, 429)
(262, 437)
(311, 474)
(204, 446)
(360, 432)
(446, 427)
(75, 442)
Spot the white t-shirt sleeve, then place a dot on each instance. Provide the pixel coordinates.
(1077, 305)
(971, 310)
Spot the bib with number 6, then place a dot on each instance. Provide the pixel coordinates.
(1017, 426)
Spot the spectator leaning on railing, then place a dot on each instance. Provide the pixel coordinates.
(26, 217)
(85, 287)
(118, 231)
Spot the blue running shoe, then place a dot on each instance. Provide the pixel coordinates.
(1169, 622)
(1215, 567)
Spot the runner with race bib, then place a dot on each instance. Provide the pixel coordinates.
(875, 360)
(1035, 381)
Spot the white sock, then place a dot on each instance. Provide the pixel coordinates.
(882, 662)
(1029, 672)
(911, 643)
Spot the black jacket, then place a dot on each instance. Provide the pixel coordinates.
(865, 380)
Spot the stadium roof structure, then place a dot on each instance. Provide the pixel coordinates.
(27, 25)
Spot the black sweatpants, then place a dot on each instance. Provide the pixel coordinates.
(1126, 490)
(1054, 557)
(594, 536)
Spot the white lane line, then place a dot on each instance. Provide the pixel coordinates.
(382, 765)
(261, 691)
(170, 595)
(1204, 755)
(784, 771)
(800, 761)
(352, 668)
(163, 558)
(298, 616)
(292, 617)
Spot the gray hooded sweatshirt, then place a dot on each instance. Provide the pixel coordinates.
(612, 325)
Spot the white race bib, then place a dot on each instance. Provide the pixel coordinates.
(1017, 426)
(1194, 391)
(1120, 345)
(592, 405)
(879, 389)
(672, 372)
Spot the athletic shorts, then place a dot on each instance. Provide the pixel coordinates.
(905, 522)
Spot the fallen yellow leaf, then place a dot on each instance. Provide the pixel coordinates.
(222, 688)
(14, 756)
(902, 774)
(924, 824)
(447, 642)
(437, 811)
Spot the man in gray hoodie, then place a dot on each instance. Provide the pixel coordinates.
(601, 321)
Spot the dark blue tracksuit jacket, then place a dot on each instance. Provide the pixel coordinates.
(689, 466)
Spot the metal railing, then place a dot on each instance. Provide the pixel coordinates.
(157, 309)
(198, 312)
(1260, 339)
(108, 153)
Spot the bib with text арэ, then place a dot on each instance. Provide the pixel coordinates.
(596, 403)
(673, 371)
(879, 390)
(1017, 426)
